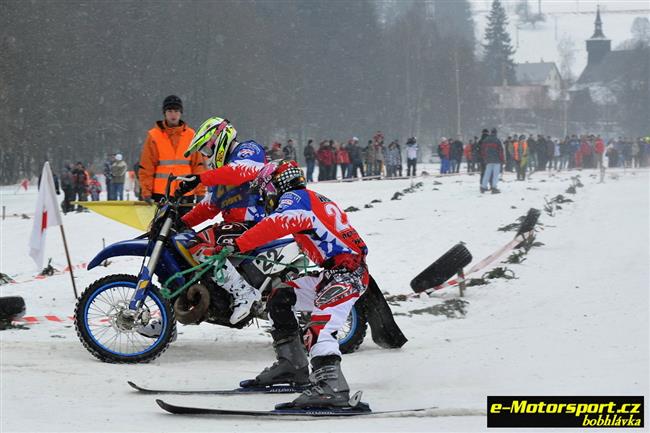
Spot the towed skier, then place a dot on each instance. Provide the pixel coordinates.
(231, 167)
(322, 231)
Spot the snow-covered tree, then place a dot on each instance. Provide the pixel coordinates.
(641, 30)
(498, 63)
(566, 48)
(640, 35)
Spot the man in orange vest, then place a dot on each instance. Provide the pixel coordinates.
(162, 154)
(520, 156)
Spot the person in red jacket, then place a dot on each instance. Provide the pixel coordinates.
(80, 181)
(467, 152)
(342, 159)
(599, 148)
(323, 232)
(443, 153)
(585, 153)
(325, 158)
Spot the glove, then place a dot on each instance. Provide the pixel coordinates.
(187, 186)
(147, 200)
(180, 226)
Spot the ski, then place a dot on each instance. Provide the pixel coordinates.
(275, 389)
(361, 409)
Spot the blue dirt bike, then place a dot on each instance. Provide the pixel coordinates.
(128, 319)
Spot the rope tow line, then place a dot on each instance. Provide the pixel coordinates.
(216, 263)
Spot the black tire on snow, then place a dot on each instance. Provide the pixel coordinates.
(106, 356)
(442, 269)
(11, 307)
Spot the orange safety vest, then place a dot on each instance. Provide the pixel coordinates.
(170, 159)
(524, 149)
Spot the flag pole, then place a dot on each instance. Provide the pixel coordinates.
(67, 255)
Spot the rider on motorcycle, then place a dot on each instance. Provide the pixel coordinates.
(322, 231)
(231, 166)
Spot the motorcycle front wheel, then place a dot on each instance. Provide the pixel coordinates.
(112, 332)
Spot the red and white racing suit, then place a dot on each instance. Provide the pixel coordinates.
(322, 231)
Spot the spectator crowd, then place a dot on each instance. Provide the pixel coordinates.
(529, 153)
(487, 154)
(337, 160)
(523, 154)
(518, 153)
(81, 184)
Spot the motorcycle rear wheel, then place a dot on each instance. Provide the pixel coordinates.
(354, 331)
(351, 335)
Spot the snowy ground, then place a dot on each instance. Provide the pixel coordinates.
(575, 322)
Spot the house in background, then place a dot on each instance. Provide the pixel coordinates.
(612, 93)
(530, 103)
(545, 74)
(538, 86)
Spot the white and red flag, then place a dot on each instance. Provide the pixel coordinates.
(47, 215)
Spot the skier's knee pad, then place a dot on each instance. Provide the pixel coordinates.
(280, 307)
(333, 294)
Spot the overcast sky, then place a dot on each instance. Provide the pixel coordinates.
(550, 6)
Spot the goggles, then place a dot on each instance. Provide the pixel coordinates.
(207, 149)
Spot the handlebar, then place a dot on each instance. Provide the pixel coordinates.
(170, 204)
(171, 178)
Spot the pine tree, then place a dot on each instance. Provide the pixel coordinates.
(498, 63)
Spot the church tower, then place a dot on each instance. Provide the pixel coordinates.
(598, 45)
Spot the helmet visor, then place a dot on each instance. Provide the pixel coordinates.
(270, 200)
(268, 189)
(263, 185)
(207, 149)
(221, 143)
(265, 174)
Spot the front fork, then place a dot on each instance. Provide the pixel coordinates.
(144, 278)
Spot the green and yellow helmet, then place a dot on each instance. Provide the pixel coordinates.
(213, 139)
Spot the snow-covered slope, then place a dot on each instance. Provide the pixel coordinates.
(574, 322)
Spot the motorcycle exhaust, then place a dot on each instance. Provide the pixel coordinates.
(192, 306)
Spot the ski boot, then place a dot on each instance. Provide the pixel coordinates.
(244, 295)
(153, 329)
(328, 385)
(290, 368)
